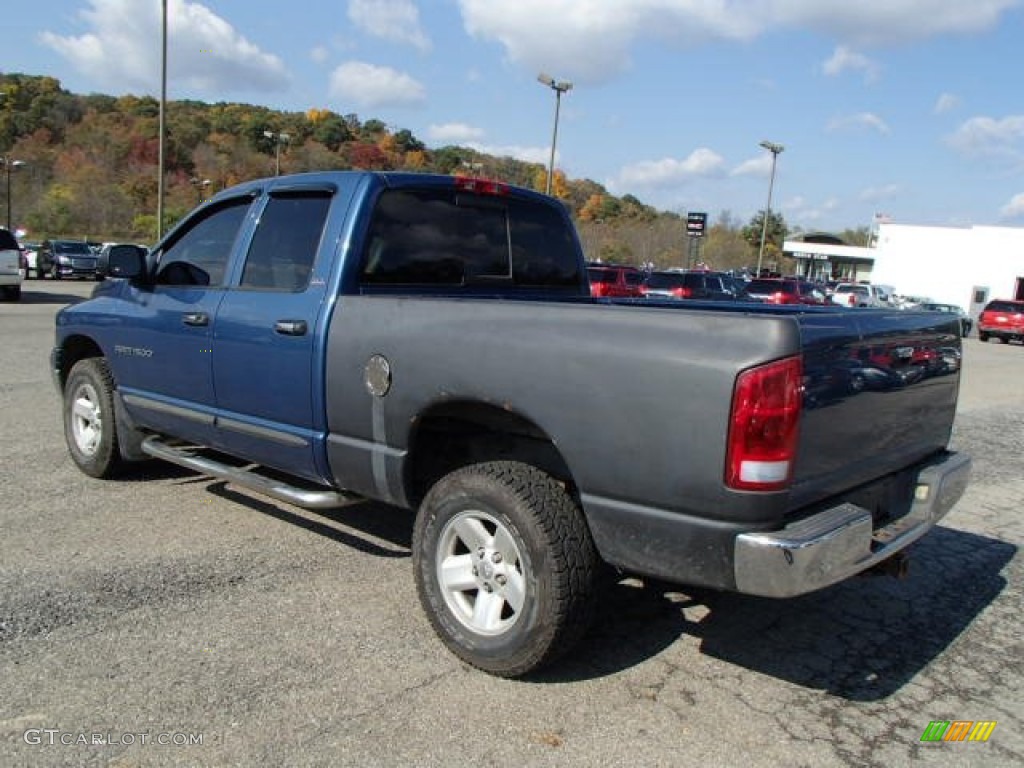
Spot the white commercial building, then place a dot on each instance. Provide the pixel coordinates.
(966, 266)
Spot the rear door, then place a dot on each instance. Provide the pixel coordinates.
(265, 335)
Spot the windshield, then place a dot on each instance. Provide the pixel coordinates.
(79, 249)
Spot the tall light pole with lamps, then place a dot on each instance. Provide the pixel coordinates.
(775, 149)
(278, 139)
(10, 165)
(559, 87)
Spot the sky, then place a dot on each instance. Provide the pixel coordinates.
(907, 109)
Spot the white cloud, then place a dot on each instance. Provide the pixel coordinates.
(701, 162)
(845, 59)
(755, 166)
(946, 102)
(877, 194)
(1013, 209)
(397, 21)
(454, 133)
(205, 53)
(591, 40)
(319, 54)
(517, 152)
(989, 135)
(367, 85)
(858, 121)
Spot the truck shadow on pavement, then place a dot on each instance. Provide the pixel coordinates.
(366, 526)
(861, 640)
(43, 297)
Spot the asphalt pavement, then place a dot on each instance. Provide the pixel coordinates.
(170, 619)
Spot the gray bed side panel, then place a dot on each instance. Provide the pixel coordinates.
(636, 399)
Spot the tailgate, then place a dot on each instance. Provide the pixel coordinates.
(880, 391)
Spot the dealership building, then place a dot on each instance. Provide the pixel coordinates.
(966, 266)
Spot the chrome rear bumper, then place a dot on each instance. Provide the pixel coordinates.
(832, 545)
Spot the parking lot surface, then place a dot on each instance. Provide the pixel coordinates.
(170, 619)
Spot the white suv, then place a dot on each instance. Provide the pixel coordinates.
(10, 266)
(857, 295)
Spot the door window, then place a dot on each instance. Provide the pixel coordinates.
(198, 255)
(286, 241)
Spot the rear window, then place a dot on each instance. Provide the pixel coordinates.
(452, 238)
(662, 280)
(1005, 306)
(601, 275)
(767, 286)
(633, 278)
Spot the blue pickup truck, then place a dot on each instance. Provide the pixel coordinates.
(431, 342)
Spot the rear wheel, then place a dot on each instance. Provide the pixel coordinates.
(12, 292)
(89, 427)
(505, 566)
(982, 336)
(1004, 340)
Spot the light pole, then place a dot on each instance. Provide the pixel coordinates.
(162, 130)
(775, 149)
(559, 87)
(10, 165)
(278, 138)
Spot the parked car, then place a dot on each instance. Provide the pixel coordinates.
(1002, 319)
(687, 285)
(965, 320)
(66, 258)
(611, 280)
(31, 252)
(857, 295)
(11, 265)
(782, 290)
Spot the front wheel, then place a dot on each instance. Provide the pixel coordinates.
(505, 566)
(89, 427)
(982, 336)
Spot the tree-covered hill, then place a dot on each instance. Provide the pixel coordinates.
(89, 169)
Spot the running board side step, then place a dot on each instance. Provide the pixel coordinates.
(189, 456)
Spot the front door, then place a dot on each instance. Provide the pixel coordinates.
(162, 348)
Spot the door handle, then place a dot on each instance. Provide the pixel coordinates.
(290, 327)
(195, 318)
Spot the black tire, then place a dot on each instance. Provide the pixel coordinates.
(12, 292)
(89, 424)
(982, 336)
(1004, 340)
(510, 535)
(55, 273)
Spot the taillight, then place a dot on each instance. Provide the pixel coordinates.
(763, 428)
(480, 186)
(852, 300)
(682, 292)
(779, 297)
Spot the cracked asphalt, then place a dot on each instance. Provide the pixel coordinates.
(173, 606)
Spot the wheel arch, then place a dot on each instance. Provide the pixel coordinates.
(451, 435)
(72, 349)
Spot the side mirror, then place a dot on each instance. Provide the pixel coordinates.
(125, 261)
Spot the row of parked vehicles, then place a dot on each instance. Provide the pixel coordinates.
(55, 259)
(610, 280)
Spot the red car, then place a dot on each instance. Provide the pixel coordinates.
(615, 281)
(783, 290)
(1002, 319)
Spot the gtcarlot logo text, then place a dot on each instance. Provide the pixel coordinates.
(54, 737)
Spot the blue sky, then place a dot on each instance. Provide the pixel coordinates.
(911, 108)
